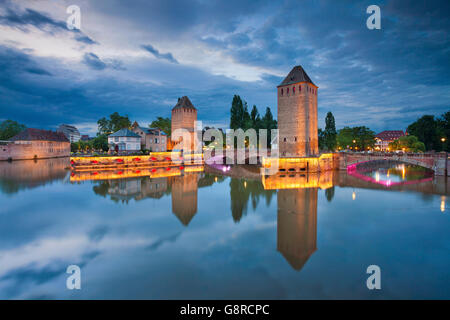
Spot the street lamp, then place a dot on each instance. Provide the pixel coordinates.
(443, 139)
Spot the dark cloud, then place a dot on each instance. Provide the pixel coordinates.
(30, 17)
(94, 62)
(18, 62)
(155, 52)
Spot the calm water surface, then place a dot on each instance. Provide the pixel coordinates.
(204, 235)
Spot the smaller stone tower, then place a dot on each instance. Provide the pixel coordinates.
(184, 116)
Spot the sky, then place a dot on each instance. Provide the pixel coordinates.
(137, 57)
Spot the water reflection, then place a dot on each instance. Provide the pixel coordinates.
(390, 172)
(182, 188)
(297, 225)
(132, 235)
(27, 174)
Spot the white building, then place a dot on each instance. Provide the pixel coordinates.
(124, 141)
(71, 132)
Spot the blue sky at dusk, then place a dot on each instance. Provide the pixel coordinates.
(137, 57)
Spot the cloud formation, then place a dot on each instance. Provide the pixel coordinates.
(383, 79)
(155, 52)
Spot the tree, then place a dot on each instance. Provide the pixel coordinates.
(268, 123)
(443, 130)
(163, 124)
(321, 137)
(236, 113)
(10, 128)
(100, 142)
(330, 133)
(407, 144)
(425, 129)
(356, 138)
(113, 124)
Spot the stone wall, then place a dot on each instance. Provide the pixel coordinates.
(34, 150)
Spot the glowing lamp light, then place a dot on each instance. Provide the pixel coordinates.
(442, 203)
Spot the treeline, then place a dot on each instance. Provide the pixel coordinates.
(426, 134)
(434, 132)
(241, 118)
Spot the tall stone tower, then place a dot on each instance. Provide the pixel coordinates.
(297, 115)
(184, 116)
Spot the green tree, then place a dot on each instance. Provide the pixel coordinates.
(321, 137)
(356, 138)
(113, 124)
(407, 144)
(443, 131)
(10, 128)
(267, 122)
(100, 142)
(330, 133)
(163, 124)
(255, 118)
(425, 129)
(236, 113)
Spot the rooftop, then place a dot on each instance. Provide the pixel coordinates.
(32, 134)
(184, 102)
(390, 134)
(124, 133)
(296, 75)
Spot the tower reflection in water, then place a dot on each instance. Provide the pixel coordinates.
(297, 213)
(297, 225)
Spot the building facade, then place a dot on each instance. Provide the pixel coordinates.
(152, 139)
(383, 139)
(35, 144)
(124, 141)
(297, 115)
(184, 116)
(70, 132)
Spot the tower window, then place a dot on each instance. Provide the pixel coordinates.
(287, 90)
(284, 139)
(299, 88)
(281, 91)
(295, 139)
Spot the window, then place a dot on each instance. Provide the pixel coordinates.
(287, 90)
(299, 88)
(284, 139)
(281, 91)
(116, 139)
(293, 90)
(295, 138)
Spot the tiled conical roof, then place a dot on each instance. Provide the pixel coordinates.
(296, 75)
(184, 102)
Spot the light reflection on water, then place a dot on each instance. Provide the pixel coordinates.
(204, 235)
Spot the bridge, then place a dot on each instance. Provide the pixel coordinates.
(438, 162)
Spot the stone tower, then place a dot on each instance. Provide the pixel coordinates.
(297, 115)
(184, 116)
